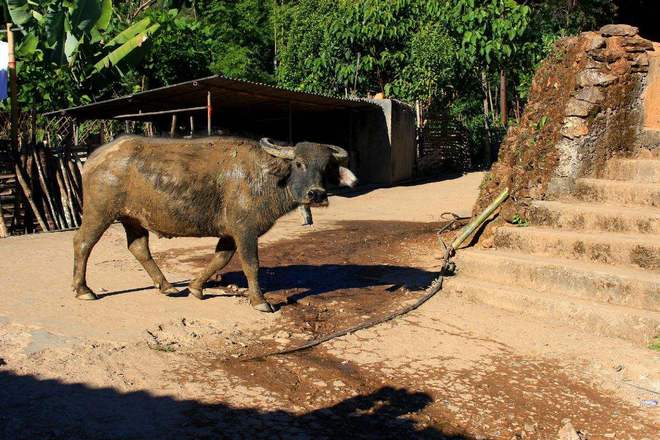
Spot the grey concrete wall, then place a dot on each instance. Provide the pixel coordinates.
(384, 142)
(402, 141)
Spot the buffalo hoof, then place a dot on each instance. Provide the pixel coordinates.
(197, 293)
(86, 295)
(169, 291)
(264, 307)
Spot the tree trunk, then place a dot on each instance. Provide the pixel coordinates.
(503, 109)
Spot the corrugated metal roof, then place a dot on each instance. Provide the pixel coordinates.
(227, 94)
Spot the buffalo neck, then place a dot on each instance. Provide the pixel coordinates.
(276, 202)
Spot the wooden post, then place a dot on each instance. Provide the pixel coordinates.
(69, 190)
(290, 123)
(209, 113)
(503, 107)
(76, 128)
(44, 188)
(173, 127)
(71, 163)
(3, 227)
(4, 232)
(13, 89)
(20, 176)
(63, 198)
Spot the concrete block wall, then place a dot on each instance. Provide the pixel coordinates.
(384, 142)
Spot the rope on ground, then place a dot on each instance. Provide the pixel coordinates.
(434, 288)
(436, 285)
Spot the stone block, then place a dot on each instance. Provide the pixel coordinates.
(636, 44)
(593, 64)
(590, 77)
(594, 40)
(618, 30)
(576, 107)
(574, 127)
(593, 95)
(620, 67)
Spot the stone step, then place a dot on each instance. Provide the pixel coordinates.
(641, 250)
(639, 326)
(595, 217)
(649, 141)
(587, 281)
(636, 170)
(617, 192)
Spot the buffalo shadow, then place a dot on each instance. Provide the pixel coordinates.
(312, 280)
(309, 280)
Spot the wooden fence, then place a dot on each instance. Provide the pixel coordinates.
(442, 145)
(40, 180)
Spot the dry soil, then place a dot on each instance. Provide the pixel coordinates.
(136, 364)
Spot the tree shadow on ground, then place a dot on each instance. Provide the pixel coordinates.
(49, 409)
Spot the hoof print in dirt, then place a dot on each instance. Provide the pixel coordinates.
(181, 335)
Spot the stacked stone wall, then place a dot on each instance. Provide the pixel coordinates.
(585, 107)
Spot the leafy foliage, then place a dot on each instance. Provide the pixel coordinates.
(447, 54)
(232, 38)
(63, 45)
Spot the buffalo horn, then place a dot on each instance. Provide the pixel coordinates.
(339, 153)
(276, 150)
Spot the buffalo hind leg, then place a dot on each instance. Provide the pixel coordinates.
(224, 250)
(249, 252)
(83, 243)
(137, 239)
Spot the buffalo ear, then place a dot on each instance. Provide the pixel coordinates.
(346, 177)
(280, 168)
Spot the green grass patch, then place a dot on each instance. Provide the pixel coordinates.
(519, 221)
(655, 343)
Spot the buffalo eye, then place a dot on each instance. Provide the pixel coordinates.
(299, 164)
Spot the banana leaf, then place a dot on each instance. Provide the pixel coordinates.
(105, 17)
(19, 11)
(28, 45)
(85, 14)
(114, 57)
(70, 47)
(130, 32)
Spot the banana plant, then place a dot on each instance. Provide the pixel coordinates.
(74, 33)
(126, 42)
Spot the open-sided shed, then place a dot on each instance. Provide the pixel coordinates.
(379, 134)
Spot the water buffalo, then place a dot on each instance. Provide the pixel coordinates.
(227, 187)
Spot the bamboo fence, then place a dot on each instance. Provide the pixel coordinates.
(41, 181)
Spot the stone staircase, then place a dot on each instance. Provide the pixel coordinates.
(590, 259)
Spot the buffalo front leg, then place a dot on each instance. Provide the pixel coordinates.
(137, 239)
(83, 242)
(249, 253)
(224, 250)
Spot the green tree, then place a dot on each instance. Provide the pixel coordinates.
(232, 38)
(64, 46)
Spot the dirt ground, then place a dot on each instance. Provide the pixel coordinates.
(136, 364)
